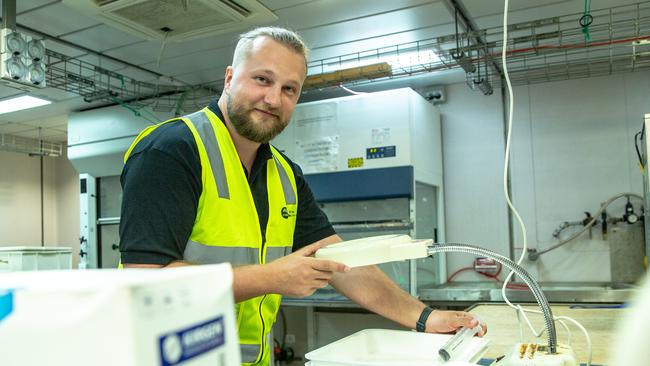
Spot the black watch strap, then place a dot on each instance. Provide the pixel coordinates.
(421, 325)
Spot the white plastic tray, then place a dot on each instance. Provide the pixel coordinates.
(375, 250)
(14, 259)
(382, 347)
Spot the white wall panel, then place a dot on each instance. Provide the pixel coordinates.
(582, 143)
(20, 206)
(67, 207)
(572, 149)
(473, 145)
(20, 200)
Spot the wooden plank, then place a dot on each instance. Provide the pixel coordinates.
(503, 329)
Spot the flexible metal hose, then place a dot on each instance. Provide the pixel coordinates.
(520, 271)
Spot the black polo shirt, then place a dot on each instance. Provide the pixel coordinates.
(161, 186)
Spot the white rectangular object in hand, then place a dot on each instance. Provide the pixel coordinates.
(375, 250)
(382, 347)
(131, 317)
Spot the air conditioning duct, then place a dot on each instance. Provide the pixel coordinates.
(176, 20)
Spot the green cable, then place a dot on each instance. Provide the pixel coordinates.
(586, 20)
(135, 111)
(149, 113)
(177, 112)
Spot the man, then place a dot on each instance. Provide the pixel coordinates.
(208, 188)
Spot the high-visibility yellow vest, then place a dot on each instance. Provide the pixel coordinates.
(226, 228)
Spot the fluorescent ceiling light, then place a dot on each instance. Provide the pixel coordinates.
(20, 103)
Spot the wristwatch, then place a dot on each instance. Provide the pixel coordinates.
(421, 324)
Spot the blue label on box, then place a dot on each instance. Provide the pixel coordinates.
(184, 344)
(6, 303)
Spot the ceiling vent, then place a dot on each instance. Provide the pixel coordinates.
(176, 20)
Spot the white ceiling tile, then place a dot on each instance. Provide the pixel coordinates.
(60, 128)
(63, 49)
(102, 38)
(54, 95)
(382, 41)
(14, 128)
(477, 8)
(138, 53)
(282, 4)
(150, 77)
(147, 52)
(47, 132)
(326, 12)
(54, 121)
(35, 134)
(102, 62)
(3, 123)
(181, 66)
(31, 134)
(60, 138)
(55, 20)
(378, 25)
(27, 5)
(204, 76)
(8, 92)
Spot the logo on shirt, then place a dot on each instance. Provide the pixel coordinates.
(287, 212)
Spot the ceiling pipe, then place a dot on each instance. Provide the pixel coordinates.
(9, 14)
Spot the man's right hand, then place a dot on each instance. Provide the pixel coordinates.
(300, 274)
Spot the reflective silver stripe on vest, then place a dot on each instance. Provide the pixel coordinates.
(249, 352)
(205, 254)
(289, 194)
(273, 253)
(206, 132)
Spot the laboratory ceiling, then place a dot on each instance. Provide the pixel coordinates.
(332, 28)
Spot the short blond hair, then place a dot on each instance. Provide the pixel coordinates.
(283, 36)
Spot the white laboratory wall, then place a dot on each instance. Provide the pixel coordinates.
(20, 202)
(20, 199)
(572, 149)
(472, 142)
(67, 207)
(579, 138)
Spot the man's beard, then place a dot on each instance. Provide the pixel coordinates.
(262, 132)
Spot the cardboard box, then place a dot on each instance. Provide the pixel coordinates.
(132, 317)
